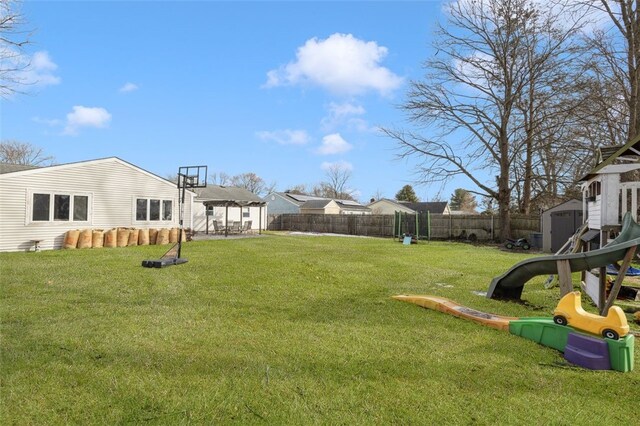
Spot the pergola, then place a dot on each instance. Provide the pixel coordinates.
(229, 197)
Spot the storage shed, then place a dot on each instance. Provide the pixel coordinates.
(559, 223)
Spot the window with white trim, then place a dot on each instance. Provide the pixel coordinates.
(153, 209)
(54, 207)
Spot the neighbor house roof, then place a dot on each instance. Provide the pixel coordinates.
(351, 205)
(217, 195)
(436, 207)
(11, 168)
(298, 199)
(303, 200)
(315, 204)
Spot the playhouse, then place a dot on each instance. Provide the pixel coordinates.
(606, 200)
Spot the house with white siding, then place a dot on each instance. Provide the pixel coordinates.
(227, 205)
(43, 203)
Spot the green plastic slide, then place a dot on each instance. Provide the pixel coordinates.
(510, 284)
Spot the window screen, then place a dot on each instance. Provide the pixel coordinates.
(141, 209)
(166, 209)
(41, 205)
(61, 207)
(80, 207)
(154, 209)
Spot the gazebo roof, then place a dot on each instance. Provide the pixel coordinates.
(221, 196)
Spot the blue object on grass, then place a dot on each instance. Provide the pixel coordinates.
(631, 272)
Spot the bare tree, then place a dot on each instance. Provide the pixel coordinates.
(488, 55)
(300, 189)
(14, 152)
(620, 55)
(337, 185)
(615, 67)
(13, 38)
(221, 178)
(253, 183)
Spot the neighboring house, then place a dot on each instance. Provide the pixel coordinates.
(227, 204)
(320, 207)
(387, 207)
(285, 202)
(43, 203)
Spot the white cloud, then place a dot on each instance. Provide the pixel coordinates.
(345, 165)
(82, 116)
(333, 144)
(341, 64)
(29, 72)
(345, 115)
(284, 137)
(42, 69)
(51, 122)
(128, 87)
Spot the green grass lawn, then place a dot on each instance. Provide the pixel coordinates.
(283, 329)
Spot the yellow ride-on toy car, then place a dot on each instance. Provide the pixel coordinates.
(570, 312)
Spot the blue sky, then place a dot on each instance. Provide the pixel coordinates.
(280, 89)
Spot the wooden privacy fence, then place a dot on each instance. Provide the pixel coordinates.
(435, 226)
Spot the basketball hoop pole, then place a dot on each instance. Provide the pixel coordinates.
(188, 177)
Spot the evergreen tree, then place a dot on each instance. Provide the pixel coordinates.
(463, 200)
(407, 194)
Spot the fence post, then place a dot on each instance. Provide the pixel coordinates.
(492, 229)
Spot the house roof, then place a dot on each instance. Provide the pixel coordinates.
(302, 201)
(436, 207)
(25, 170)
(298, 199)
(315, 204)
(217, 195)
(11, 168)
(630, 152)
(351, 205)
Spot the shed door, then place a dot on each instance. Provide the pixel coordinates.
(563, 225)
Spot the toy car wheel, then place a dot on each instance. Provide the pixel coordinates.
(610, 334)
(509, 246)
(560, 320)
(526, 246)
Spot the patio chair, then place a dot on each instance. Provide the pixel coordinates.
(235, 227)
(217, 227)
(247, 226)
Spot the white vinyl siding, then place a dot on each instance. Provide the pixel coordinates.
(110, 184)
